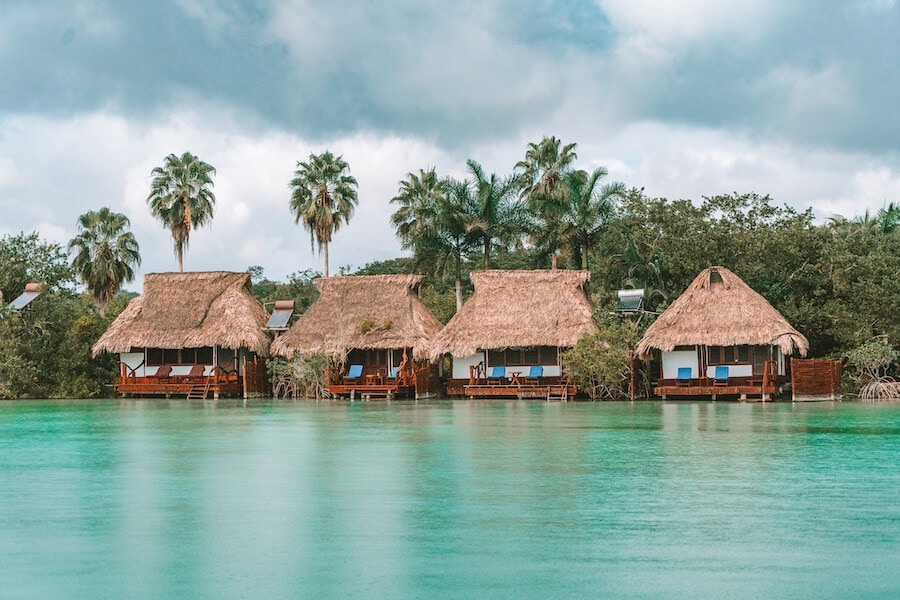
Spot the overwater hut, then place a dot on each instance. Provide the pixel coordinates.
(376, 331)
(191, 334)
(721, 338)
(507, 339)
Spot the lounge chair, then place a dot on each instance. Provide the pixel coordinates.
(197, 371)
(497, 375)
(392, 374)
(354, 372)
(163, 371)
(683, 378)
(535, 374)
(720, 377)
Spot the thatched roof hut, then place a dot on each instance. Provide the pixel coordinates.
(517, 309)
(190, 310)
(719, 309)
(362, 312)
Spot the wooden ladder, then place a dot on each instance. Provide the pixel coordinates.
(558, 392)
(199, 391)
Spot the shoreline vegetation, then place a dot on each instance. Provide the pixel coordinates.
(838, 282)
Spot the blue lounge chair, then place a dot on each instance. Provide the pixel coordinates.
(535, 373)
(497, 375)
(683, 378)
(720, 377)
(354, 372)
(392, 374)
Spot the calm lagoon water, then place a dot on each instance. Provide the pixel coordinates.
(444, 499)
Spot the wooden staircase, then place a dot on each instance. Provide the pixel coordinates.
(199, 391)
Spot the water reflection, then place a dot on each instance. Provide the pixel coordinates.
(149, 499)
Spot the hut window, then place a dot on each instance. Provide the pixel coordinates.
(154, 357)
(519, 357)
(724, 355)
(496, 357)
(225, 356)
(171, 356)
(204, 356)
(714, 277)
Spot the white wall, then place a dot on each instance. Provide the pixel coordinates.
(461, 366)
(133, 360)
(672, 361)
(733, 370)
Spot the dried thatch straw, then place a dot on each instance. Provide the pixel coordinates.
(363, 312)
(719, 309)
(518, 309)
(190, 310)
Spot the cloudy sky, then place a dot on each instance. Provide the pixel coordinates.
(686, 98)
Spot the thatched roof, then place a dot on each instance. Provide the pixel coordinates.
(719, 309)
(517, 309)
(363, 312)
(190, 310)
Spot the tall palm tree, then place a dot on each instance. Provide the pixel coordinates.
(541, 185)
(105, 252)
(418, 200)
(323, 197)
(493, 217)
(431, 220)
(589, 211)
(181, 197)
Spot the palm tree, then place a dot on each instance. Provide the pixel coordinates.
(541, 185)
(493, 218)
(888, 218)
(105, 252)
(589, 211)
(431, 220)
(418, 200)
(323, 197)
(181, 197)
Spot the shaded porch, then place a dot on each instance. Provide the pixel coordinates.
(760, 387)
(197, 385)
(408, 380)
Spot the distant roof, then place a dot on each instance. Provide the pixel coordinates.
(364, 312)
(32, 291)
(719, 309)
(190, 310)
(518, 309)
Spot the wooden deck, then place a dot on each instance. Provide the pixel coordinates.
(543, 392)
(742, 391)
(368, 391)
(191, 388)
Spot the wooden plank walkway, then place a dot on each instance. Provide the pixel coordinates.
(742, 392)
(522, 392)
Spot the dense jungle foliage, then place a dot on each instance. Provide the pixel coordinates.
(838, 282)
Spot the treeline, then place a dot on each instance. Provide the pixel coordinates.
(838, 282)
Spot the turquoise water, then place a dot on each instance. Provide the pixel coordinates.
(158, 499)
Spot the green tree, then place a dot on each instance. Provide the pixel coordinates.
(25, 258)
(493, 219)
(541, 184)
(323, 197)
(418, 201)
(105, 252)
(432, 219)
(181, 197)
(600, 362)
(589, 211)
